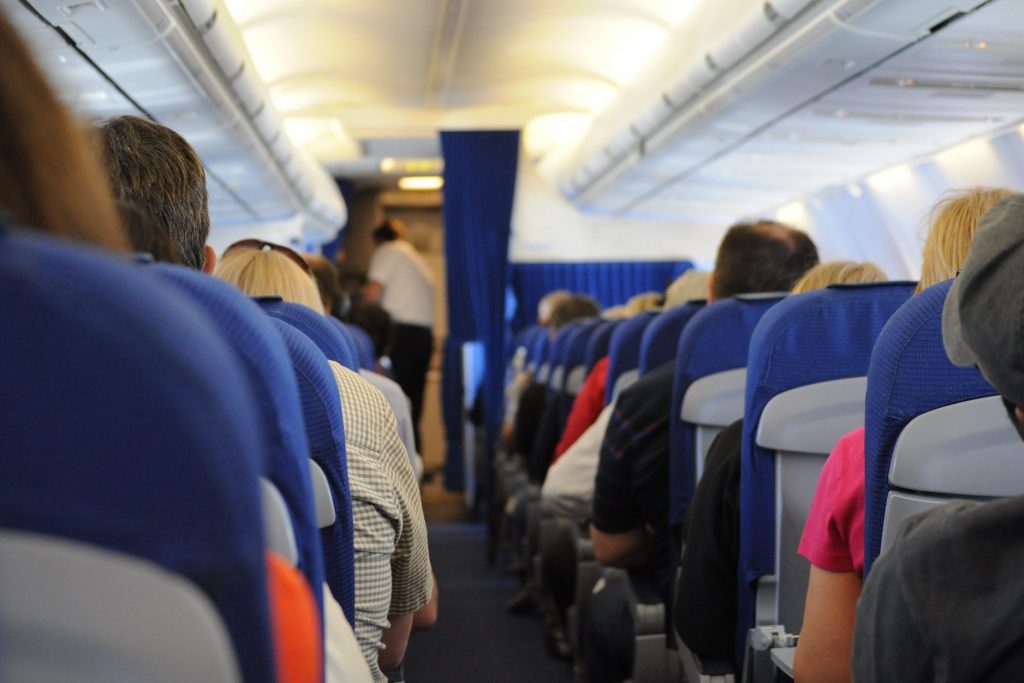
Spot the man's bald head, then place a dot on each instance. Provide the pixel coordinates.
(762, 256)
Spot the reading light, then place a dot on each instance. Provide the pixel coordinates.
(421, 182)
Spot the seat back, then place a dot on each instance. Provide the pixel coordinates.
(597, 346)
(806, 381)
(909, 375)
(576, 357)
(624, 354)
(661, 338)
(534, 341)
(707, 390)
(364, 345)
(72, 611)
(325, 429)
(328, 337)
(127, 424)
(964, 450)
(265, 360)
(558, 358)
(542, 364)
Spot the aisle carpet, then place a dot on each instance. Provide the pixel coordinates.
(475, 639)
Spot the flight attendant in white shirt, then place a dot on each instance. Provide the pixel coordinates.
(401, 282)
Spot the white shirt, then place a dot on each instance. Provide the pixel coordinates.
(402, 409)
(343, 660)
(407, 281)
(569, 485)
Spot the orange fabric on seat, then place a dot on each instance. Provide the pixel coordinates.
(298, 647)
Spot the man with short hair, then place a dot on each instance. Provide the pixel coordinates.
(944, 602)
(629, 525)
(154, 170)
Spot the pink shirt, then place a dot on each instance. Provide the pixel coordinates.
(834, 534)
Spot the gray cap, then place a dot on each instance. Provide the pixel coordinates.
(983, 319)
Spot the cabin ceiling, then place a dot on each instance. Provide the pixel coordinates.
(361, 81)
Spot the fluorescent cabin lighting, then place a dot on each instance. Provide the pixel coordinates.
(421, 182)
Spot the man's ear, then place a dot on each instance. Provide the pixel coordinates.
(711, 287)
(1018, 414)
(211, 259)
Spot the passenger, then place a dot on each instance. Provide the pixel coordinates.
(392, 564)
(645, 301)
(145, 235)
(690, 286)
(328, 282)
(833, 272)
(629, 525)
(50, 179)
(155, 170)
(833, 538)
(943, 603)
(377, 323)
(402, 282)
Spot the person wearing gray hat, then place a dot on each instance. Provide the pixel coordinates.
(945, 602)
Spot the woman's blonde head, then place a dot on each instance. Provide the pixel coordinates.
(839, 273)
(268, 273)
(953, 221)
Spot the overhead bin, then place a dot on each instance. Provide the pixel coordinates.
(776, 57)
(185, 65)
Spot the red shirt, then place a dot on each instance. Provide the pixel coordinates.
(588, 405)
(833, 537)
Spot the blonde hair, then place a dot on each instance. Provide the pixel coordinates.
(690, 286)
(269, 273)
(953, 221)
(645, 301)
(839, 273)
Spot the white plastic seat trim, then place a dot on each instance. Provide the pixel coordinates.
(73, 611)
(322, 497)
(624, 381)
(278, 532)
(575, 379)
(811, 418)
(555, 381)
(715, 400)
(964, 449)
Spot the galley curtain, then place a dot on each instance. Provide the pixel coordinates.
(610, 283)
(479, 185)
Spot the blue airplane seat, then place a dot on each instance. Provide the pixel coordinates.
(909, 374)
(597, 346)
(265, 360)
(624, 353)
(714, 341)
(126, 423)
(575, 366)
(331, 340)
(661, 338)
(366, 353)
(558, 356)
(325, 429)
(814, 338)
(534, 343)
(355, 350)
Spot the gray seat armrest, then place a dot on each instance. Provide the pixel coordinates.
(782, 658)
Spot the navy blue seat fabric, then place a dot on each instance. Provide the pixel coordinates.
(325, 429)
(126, 422)
(909, 374)
(578, 343)
(716, 339)
(331, 340)
(366, 353)
(558, 357)
(624, 349)
(810, 338)
(600, 338)
(533, 340)
(265, 360)
(354, 350)
(661, 338)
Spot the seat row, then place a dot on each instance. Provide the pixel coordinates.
(802, 371)
(162, 434)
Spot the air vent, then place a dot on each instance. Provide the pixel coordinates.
(925, 84)
(898, 117)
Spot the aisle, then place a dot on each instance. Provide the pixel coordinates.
(475, 638)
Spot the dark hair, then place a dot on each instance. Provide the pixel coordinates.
(50, 179)
(154, 169)
(572, 308)
(145, 235)
(377, 323)
(326, 276)
(388, 231)
(763, 256)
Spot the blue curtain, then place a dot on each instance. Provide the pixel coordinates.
(610, 283)
(479, 184)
